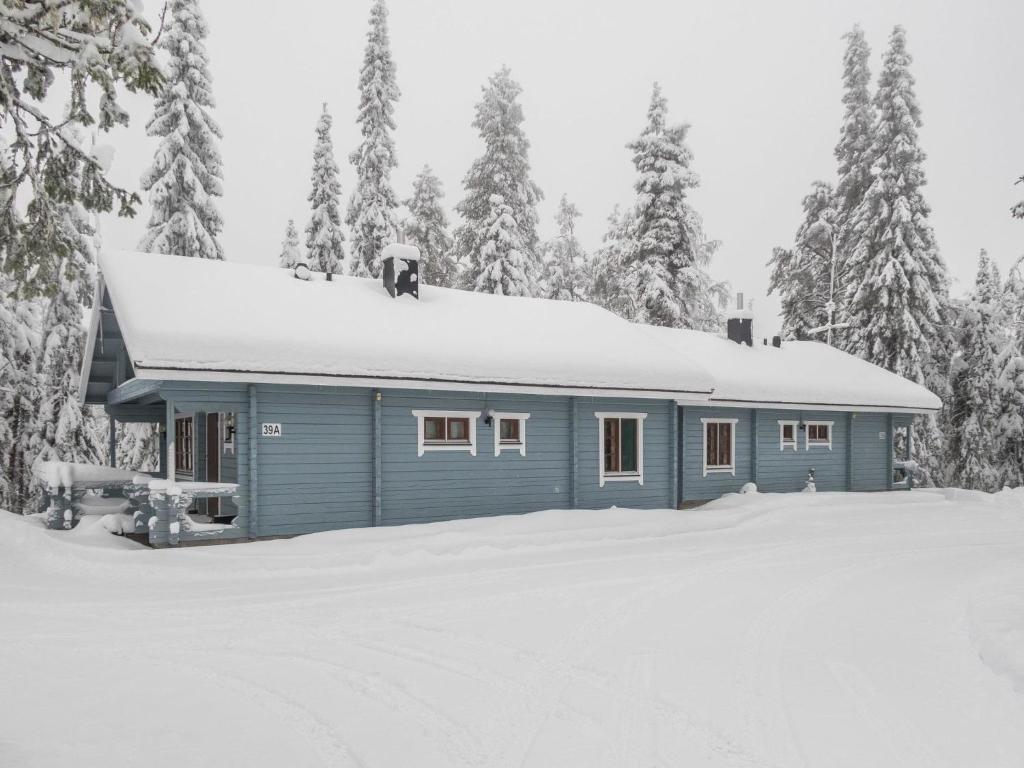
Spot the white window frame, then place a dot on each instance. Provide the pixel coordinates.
(817, 444)
(499, 446)
(620, 477)
(795, 444)
(422, 446)
(732, 447)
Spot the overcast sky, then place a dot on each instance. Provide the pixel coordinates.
(759, 82)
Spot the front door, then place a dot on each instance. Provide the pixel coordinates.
(213, 459)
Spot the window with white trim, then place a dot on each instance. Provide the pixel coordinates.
(818, 434)
(787, 434)
(510, 432)
(184, 448)
(719, 445)
(621, 447)
(446, 431)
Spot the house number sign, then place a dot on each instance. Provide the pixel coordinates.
(271, 430)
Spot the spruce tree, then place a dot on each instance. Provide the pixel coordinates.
(1010, 384)
(499, 180)
(667, 268)
(371, 210)
(974, 409)
(1018, 209)
(564, 276)
(290, 252)
(427, 229)
(187, 172)
(607, 270)
(897, 287)
(808, 276)
(325, 246)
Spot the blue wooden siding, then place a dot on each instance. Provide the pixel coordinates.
(443, 485)
(858, 460)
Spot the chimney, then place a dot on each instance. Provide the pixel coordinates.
(740, 324)
(401, 270)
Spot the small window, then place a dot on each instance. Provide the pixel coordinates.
(819, 433)
(183, 446)
(787, 434)
(719, 445)
(446, 431)
(622, 446)
(509, 432)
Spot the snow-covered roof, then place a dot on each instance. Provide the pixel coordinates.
(210, 320)
(799, 374)
(401, 251)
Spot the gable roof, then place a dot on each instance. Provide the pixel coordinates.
(213, 320)
(799, 374)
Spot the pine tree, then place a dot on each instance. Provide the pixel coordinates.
(186, 173)
(974, 410)
(100, 46)
(325, 247)
(607, 269)
(498, 180)
(290, 251)
(1010, 383)
(427, 229)
(897, 285)
(667, 267)
(808, 276)
(371, 211)
(138, 447)
(564, 276)
(19, 402)
(1018, 209)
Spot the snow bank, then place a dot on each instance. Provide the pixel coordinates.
(798, 372)
(55, 474)
(251, 319)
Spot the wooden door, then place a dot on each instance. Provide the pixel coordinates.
(213, 459)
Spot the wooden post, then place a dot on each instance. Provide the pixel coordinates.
(574, 499)
(112, 445)
(681, 421)
(169, 426)
(376, 485)
(254, 431)
(910, 453)
(851, 420)
(889, 447)
(754, 419)
(673, 453)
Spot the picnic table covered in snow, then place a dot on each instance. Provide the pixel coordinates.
(160, 507)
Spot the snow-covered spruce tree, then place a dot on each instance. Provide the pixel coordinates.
(974, 409)
(186, 173)
(325, 242)
(138, 447)
(502, 173)
(854, 149)
(290, 251)
(504, 262)
(803, 275)
(427, 229)
(897, 287)
(1010, 384)
(371, 210)
(564, 275)
(1018, 209)
(606, 271)
(93, 44)
(667, 267)
(19, 321)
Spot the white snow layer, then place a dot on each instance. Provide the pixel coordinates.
(831, 630)
(798, 373)
(56, 474)
(401, 251)
(207, 315)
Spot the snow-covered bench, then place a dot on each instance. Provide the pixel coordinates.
(74, 490)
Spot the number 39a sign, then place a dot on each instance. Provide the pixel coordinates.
(271, 430)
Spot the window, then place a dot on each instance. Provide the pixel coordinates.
(509, 432)
(183, 446)
(719, 445)
(621, 439)
(446, 431)
(787, 434)
(819, 433)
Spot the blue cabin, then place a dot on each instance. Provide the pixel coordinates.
(357, 402)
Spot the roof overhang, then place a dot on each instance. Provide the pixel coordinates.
(262, 377)
(841, 407)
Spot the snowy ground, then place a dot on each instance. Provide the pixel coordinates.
(821, 630)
